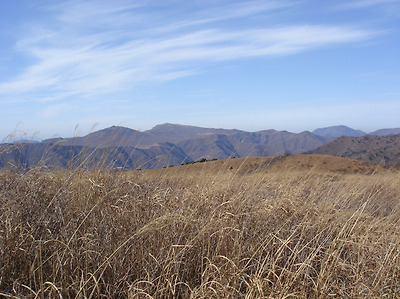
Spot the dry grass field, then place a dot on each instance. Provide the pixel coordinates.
(285, 227)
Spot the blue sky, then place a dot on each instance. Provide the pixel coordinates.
(70, 67)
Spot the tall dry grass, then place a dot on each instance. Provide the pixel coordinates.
(177, 233)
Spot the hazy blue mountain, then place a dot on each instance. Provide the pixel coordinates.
(25, 139)
(121, 136)
(109, 137)
(386, 132)
(272, 142)
(337, 131)
(55, 156)
(214, 146)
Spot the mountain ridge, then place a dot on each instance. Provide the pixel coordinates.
(172, 144)
(167, 144)
(161, 130)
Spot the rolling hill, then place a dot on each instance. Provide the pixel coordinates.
(383, 150)
(302, 163)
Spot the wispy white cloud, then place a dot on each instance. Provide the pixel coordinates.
(115, 46)
(236, 11)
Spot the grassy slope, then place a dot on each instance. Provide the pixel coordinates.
(376, 149)
(301, 226)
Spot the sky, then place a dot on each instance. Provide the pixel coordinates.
(68, 68)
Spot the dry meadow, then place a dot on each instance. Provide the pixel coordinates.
(286, 227)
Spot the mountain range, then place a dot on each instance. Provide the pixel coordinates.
(172, 144)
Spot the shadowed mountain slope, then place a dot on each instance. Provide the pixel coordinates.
(109, 137)
(55, 156)
(383, 150)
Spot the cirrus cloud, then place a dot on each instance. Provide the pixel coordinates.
(116, 46)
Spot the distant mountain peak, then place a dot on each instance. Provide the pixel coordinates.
(337, 131)
(117, 128)
(386, 132)
(167, 126)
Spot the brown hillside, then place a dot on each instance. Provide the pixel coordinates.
(383, 150)
(296, 163)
